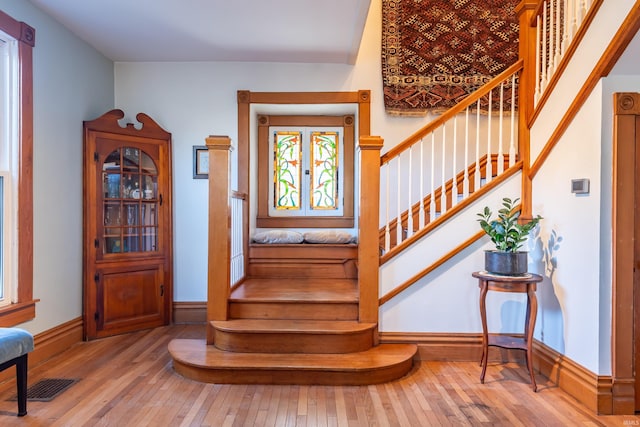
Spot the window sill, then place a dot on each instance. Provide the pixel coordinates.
(304, 222)
(17, 313)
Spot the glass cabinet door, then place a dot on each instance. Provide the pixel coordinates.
(130, 202)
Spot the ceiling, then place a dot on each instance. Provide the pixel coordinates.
(308, 31)
(311, 31)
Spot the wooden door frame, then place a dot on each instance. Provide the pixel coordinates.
(626, 108)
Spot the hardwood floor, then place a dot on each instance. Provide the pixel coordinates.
(128, 380)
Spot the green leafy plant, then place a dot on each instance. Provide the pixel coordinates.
(506, 232)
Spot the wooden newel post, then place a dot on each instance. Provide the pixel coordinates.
(526, 93)
(219, 252)
(368, 224)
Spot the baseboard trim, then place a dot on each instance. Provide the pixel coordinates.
(593, 391)
(190, 312)
(50, 343)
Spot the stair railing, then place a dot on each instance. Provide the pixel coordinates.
(558, 23)
(237, 238)
(447, 160)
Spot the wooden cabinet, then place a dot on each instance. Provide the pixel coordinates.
(127, 225)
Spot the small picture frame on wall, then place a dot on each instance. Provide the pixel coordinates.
(200, 162)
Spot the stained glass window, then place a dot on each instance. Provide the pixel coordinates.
(305, 171)
(287, 165)
(324, 170)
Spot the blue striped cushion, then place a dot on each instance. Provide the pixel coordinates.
(14, 342)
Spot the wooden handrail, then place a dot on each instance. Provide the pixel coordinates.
(398, 289)
(451, 212)
(614, 50)
(460, 107)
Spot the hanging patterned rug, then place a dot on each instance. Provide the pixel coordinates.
(436, 52)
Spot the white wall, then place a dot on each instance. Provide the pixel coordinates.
(569, 297)
(72, 82)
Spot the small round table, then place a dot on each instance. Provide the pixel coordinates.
(518, 284)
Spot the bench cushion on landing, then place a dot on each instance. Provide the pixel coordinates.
(14, 342)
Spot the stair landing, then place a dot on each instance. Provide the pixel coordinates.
(194, 359)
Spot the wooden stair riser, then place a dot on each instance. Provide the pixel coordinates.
(196, 360)
(296, 261)
(293, 310)
(293, 342)
(291, 270)
(221, 375)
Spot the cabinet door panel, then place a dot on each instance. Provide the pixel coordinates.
(129, 299)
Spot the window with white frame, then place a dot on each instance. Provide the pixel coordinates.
(8, 152)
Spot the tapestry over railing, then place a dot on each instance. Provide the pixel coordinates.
(436, 52)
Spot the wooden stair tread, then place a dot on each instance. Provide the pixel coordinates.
(296, 290)
(292, 326)
(196, 353)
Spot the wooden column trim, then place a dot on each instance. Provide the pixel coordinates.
(526, 90)
(626, 109)
(219, 268)
(368, 255)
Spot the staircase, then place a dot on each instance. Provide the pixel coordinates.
(294, 320)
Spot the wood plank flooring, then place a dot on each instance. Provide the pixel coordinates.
(128, 380)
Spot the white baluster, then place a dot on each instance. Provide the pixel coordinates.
(539, 42)
(409, 195)
(432, 204)
(551, 40)
(512, 138)
(500, 124)
(543, 80)
(581, 11)
(443, 184)
(421, 195)
(558, 26)
(387, 234)
(454, 178)
(566, 36)
(399, 238)
(489, 167)
(575, 21)
(477, 179)
(465, 181)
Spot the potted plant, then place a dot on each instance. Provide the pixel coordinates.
(508, 235)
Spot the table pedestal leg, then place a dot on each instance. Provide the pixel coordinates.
(532, 312)
(485, 333)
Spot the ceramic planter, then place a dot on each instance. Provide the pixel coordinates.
(506, 263)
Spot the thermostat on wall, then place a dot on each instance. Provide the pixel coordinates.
(580, 186)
